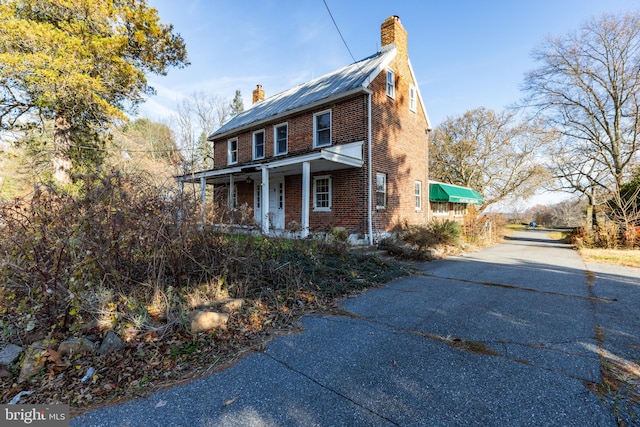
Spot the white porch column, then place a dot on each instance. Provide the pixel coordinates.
(203, 198)
(231, 190)
(264, 199)
(306, 190)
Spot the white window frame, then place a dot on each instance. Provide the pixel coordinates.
(264, 145)
(276, 151)
(413, 98)
(417, 188)
(391, 83)
(381, 189)
(315, 193)
(316, 130)
(230, 152)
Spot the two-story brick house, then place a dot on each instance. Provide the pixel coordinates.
(348, 149)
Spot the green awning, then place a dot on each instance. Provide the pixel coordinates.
(439, 192)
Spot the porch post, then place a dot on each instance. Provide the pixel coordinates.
(180, 199)
(231, 190)
(265, 200)
(203, 198)
(306, 185)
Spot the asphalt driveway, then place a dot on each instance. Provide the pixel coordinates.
(522, 333)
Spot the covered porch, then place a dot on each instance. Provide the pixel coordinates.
(266, 182)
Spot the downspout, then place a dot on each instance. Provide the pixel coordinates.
(370, 173)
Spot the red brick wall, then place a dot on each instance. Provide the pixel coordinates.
(349, 124)
(400, 149)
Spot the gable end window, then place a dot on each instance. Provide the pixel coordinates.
(281, 137)
(322, 129)
(322, 193)
(258, 144)
(232, 151)
(391, 83)
(413, 98)
(418, 194)
(381, 190)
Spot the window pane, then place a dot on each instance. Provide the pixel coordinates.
(258, 142)
(381, 190)
(323, 129)
(322, 194)
(324, 137)
(281, 139)
(323, 121)
(390, 83)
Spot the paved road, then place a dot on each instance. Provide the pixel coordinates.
(515, 334)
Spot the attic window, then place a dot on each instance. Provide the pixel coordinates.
(413, 101)
(391, 83)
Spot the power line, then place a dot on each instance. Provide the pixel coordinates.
(339, 32)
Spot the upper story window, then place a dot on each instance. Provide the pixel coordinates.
(322, 193)
(413, 98)
(391, 83)
(418, 194)
(232, 151)
(258, 144)
(322, 129)
(281, 137)
(381, 190)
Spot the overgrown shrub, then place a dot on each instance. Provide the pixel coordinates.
(447, 232)
(131, 256)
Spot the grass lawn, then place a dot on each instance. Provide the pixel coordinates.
(623, 257)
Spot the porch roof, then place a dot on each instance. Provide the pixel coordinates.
(440, 192)
(329, 158)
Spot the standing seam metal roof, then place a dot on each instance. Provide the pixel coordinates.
(340, 81)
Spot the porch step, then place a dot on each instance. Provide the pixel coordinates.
(368, 250)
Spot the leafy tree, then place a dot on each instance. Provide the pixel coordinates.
(587, 86)
(237, 106)
(79, 64)
(155, 140)
(144, 146)
(489, 152)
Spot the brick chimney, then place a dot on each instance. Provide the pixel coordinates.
(258, 94)
(392, 31)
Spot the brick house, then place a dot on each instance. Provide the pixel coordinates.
(348, 149)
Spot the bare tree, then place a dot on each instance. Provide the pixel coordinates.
(588, 87)
(489, 152)
(196, 117)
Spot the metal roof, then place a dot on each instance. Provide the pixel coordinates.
(339, 82)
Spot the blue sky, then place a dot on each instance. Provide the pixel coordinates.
(465, 54)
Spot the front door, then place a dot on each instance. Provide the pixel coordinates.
(276, 203)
